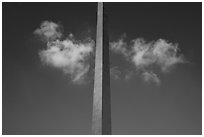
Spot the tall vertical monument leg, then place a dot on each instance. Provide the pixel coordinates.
(101, 122)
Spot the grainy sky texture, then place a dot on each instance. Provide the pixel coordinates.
(48, 67)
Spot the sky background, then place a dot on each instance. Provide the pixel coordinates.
(39, 99)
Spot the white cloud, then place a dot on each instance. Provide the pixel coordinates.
(166, 54)
(158, 52)
(119, 47)
(143, 55)
(69, 55)
(151, 77)
(49, 31)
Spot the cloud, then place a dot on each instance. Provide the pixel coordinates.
(160, 53)
(151, 77)
(115, 73)
(49, 31)
(120, 46)
(144, 55)
(69, 55)
(129, 75)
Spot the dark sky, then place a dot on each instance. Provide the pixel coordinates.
(38, 99)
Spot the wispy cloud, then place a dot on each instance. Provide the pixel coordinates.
(49, 31)
(159, 52)
(151, 77)
(128, 75)
(69, 55)
(143, 55)
(120, 46)
(115, 73)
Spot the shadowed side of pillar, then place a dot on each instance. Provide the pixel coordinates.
(106, 95)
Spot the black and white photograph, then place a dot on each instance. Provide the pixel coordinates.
(101, 68)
